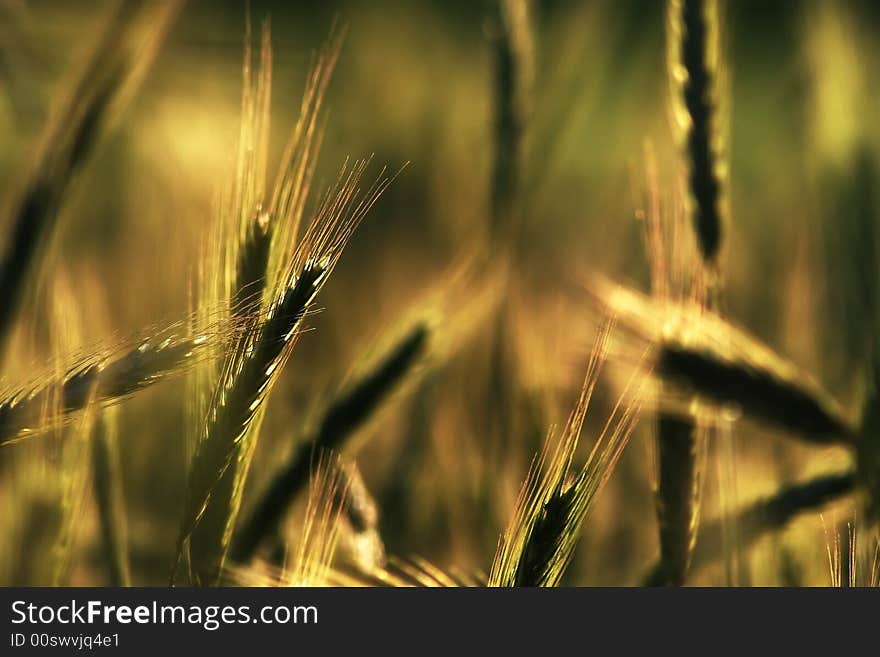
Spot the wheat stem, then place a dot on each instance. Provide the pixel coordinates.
(538, 544)
(764, 516)
(107, 484)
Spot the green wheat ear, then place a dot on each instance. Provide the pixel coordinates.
(229, 434)
(694, 74)
(538, 544)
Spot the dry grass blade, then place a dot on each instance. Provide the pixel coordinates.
(537, 546)
(110, 76)
(344, 415)
(764, 516)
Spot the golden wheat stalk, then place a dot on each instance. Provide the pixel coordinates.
(706, 356)
(308, 560)
(105, 377)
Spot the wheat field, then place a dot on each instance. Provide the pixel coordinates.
(420, 293)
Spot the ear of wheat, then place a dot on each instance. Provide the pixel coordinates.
(292, 277)
(308, 559)
(694, 63)
(105, 377)
(721, 363)
(229, 434)
(538, 544)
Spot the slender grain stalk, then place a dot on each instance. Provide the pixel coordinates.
(679, 438)
(692, 40)
(763, 517)
(342, 418)
(360, 518)
(868, 445)
(107, 485)
(514, 54)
